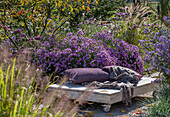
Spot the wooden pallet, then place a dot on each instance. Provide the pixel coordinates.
(106, 96)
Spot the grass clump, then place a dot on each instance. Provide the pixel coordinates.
(23, 91)
(160, 106)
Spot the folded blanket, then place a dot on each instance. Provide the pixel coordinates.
(122, 74)
(123, 79)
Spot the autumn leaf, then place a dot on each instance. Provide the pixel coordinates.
(139, 110)
(97, 2)
(123, 111)
(20, 12)
(88, 9)
(110, 114)
(150, 105)
(49, 21)
(83, 7)
(22, 24)
(71, 8)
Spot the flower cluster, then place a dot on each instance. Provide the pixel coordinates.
(157, 51)
(121, 15)
(17, 31)
(167, 19)
(127, 54)
(72, 52)
(104, 36)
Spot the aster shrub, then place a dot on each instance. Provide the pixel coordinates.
(105, 36)
(74, 51)
(157, 51)
(127, 54)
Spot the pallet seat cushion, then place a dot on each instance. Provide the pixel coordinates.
(80, 75)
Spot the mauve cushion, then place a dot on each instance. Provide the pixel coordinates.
(106, 69)
(80, 75)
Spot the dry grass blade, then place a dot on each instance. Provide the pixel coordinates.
(144, 13)
(143, 8)
(144, 19)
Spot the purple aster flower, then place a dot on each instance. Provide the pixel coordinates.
(16, 31)
(129, 28)
(37, 37)
(69, 34)
(23, 35)
(126, 13)
(165, 18)
(146, 30)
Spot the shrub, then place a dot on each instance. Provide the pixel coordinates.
(157, 52)
(90, 26)
(72, 52)
(105, 8)
(127, 54)
(130, 33)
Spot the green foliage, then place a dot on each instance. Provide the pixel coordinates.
(105, 8)
(90, 27)
(40, 17)
(130, 33)
(131, 23)
(16, 100)
(160, 107)
(165, 8)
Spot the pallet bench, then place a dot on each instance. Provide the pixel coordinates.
(106, 96)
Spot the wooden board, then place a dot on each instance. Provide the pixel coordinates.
(107, 96)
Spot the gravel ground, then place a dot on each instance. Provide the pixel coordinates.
(138, 108)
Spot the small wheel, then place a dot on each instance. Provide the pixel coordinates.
(106, 108)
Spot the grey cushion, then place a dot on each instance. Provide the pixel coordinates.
(115, 71)
(80, 75)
